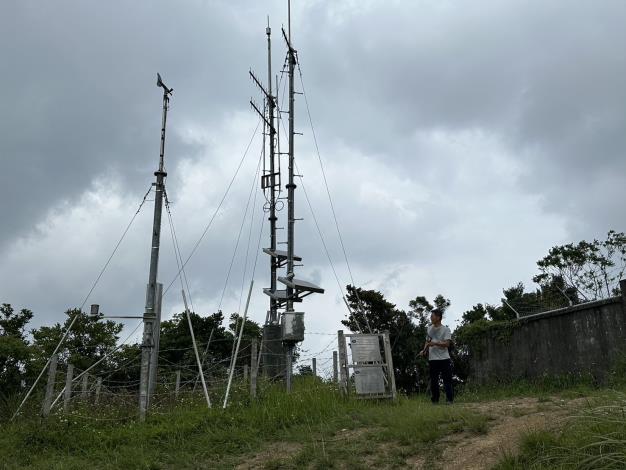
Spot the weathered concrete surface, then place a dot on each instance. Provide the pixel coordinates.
(583, 339)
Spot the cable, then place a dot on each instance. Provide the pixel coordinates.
(243, 220)
(330, 200)
(208, 226)
(69, 328)
(319, 231)
(245, 265)
(177, 253)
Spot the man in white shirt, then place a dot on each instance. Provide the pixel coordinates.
(436, 346)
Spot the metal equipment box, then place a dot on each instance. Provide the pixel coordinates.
(293, 326)
(365, 348)
(369, 380)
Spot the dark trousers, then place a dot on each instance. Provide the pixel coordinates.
(444, 368)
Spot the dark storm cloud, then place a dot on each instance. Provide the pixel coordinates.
(445, 129)
(79, 94)
(546, 77)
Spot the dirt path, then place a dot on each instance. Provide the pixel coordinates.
(511, 419)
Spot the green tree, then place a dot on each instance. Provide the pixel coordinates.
(591, 269)
(304, 370)
(251, 330)
(176, 347)
(15, 351)
(90, 338)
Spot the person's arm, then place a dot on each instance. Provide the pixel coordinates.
(446, 342)
(427, 345)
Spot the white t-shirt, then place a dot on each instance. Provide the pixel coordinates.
(440, 333)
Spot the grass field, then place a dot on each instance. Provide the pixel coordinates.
(593, 437)
(315, 427)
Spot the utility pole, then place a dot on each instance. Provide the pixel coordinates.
(270, 180)
(292, 322)
(291, 187)
(271, 106)
(150, 314)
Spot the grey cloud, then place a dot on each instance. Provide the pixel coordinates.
(416, 100)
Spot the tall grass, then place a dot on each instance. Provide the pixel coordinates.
(569, 385)
(593, 438)
(186, 434)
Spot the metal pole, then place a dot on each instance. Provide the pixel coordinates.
(156, 335)
(68, 388)
(150, 314)
(98, 388)
(177, 389)
(289, 367)
(204, 354)
(291, 186)
(273, 317)
(84, 391)
(234, 359)
(314, 366)
(389, 363)
(195, 350)
(52, 373)
(253, 368)
(343, 362)
(517, 315)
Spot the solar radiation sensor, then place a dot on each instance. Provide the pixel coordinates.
(162, 85)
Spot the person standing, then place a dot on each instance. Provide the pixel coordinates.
(436, 346)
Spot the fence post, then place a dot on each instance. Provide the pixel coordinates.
(335, 370)
(84, 391)
(52, 373)
(245, 373)
(68, 387)
(177, 389)
(98, 387)
(389, 362)
(314, 366)
(253, 368)
(343, 362)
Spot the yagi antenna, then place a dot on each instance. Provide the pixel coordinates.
(162, 85)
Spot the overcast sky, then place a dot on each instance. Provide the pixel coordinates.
(460, 140)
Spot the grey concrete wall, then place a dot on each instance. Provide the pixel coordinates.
(582, 339)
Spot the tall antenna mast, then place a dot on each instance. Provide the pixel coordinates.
(292, 322)
(289, 20)
(271, 180)
(151, 314)
(291, 186)
(273, 317)
(281, 337)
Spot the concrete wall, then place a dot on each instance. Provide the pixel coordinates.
(582, 339)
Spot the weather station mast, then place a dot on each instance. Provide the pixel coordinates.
(281, 331)
(152, 313)
(270, 181)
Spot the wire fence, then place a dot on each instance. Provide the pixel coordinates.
(110, 392)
